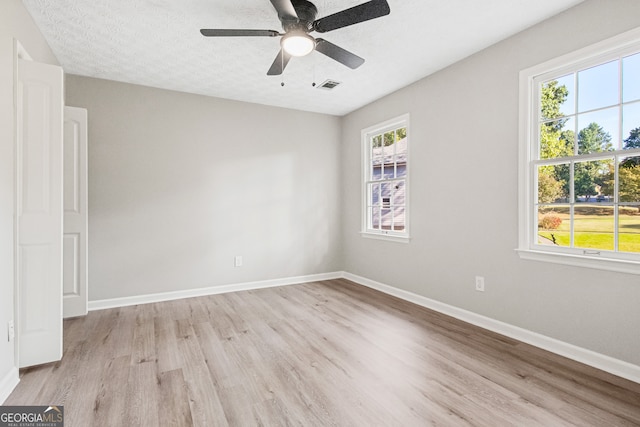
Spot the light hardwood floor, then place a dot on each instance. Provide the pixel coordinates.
(327, 353)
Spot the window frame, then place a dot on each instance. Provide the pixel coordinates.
(528, 248)
(366, 135)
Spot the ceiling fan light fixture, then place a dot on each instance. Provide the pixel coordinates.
(298, 44)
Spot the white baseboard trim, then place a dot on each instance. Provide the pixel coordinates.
(588, 357)
(8, 383)
(168, 296)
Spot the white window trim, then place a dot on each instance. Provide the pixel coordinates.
(527, 249)
(388, 235)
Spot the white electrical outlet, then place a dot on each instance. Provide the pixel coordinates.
(11, 332)
(480, 283)
(237, 261)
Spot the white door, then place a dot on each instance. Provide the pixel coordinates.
(39, 212)
(74, 271)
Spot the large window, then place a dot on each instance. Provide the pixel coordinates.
(580, 157)
(385, 186)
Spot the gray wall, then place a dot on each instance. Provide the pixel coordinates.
(464, 216)
(179, 184)
(15, 22)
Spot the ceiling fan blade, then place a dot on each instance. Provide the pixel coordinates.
(279, 63)
(339, 54)
(238, 33)
(363, 12)
(285, 9)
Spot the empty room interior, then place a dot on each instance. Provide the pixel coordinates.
(431, 216)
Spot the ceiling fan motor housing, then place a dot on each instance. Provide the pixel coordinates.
(306, 12)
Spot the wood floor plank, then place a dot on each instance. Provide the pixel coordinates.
(142, 398)
(110, 402)
(144, 348)
(168, 356)
(328, 353)
(173, 401)
(204, 401)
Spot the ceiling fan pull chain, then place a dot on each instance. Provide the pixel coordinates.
(282, 63)
(313, 83)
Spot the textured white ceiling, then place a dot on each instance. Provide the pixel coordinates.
(157, 43)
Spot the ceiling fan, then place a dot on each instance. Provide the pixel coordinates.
(298, 19)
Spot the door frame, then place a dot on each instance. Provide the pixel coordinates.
(75, 217)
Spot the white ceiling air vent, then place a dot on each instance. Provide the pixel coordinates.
(328, 84)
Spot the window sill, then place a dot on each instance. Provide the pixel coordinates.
(620, 266)
(388, 237)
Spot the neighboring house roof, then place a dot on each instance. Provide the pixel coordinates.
(400, 149)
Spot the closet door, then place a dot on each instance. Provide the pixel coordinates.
(75, 212)
(39, 212)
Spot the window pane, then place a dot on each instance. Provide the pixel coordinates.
(401, 170)
(593, 180)
(389, 138)
(386, 192)
(629, 228)
(593, 227)
(557, 138)
(399, 193)
(376, 157)
(389, 172)
(401, 152)
(376, 142)
(558, 97)
(553, 184)
(554, 225)
(374, 214)
(568, 106)
(388, 154)
(598, 131)
(630, 79)
(398, 219)
(375, 194)
(598, 86)
(631, 125)
(386, 219)
(376, 169)
(605, 182)
(629, 178)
